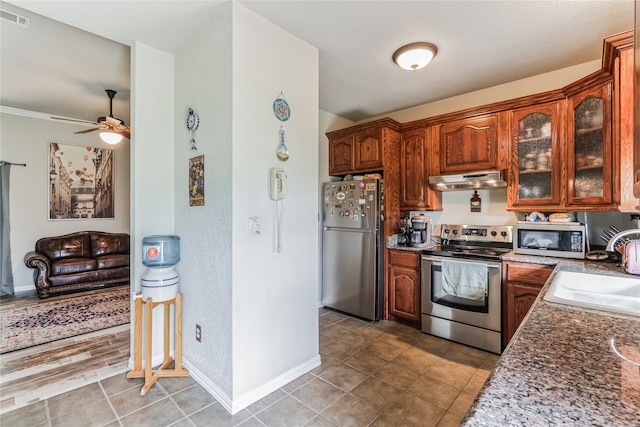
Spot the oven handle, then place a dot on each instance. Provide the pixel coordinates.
(438, 261)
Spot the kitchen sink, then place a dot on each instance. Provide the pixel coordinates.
(609, 293)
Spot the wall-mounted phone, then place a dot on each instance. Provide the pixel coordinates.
(278, 184)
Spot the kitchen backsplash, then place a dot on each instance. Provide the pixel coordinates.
(456, 209)
(597, 222)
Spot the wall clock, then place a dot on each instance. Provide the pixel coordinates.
(193, 121)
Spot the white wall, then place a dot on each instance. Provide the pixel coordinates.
(26, 140)
(529, 86)
(275, 319)
(152, 173)
(257, 307)
(204, 83)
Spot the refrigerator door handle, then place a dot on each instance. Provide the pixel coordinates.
(351, 230)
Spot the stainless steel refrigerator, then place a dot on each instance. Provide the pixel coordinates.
(352, 277)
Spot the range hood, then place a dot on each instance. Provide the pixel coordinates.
(472, 180)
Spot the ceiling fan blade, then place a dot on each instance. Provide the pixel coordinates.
(87, 131)
(65, 119)
(125, 133)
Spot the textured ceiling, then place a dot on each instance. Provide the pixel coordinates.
(58, 69)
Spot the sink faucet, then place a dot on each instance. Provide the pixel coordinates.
(612, 244)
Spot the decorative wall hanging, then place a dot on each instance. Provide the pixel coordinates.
(193, 121)
(281, 108)
(81, 182)
(282, 152)
(196, 181)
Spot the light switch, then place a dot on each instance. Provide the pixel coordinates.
(254, 225)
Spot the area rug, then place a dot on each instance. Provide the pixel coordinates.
(45, 321)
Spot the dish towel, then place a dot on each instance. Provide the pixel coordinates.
(464, 280)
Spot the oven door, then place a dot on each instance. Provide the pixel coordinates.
(462, 290)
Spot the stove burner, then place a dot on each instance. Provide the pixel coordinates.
(472, 241)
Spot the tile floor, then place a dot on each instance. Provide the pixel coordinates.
(372, 374)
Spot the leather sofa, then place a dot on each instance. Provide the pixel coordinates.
(78, 261)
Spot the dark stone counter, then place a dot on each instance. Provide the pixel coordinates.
(559, 368)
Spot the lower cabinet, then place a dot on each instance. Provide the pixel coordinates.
(404, 285)
(521, 284)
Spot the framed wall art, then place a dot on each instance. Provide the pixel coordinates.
(196, 181)
(81, 182)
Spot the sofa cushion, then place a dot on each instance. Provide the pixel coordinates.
(74, 245)
(108, 243)
(113, 261)
(73, 266)
(112, 274)
(73, 279)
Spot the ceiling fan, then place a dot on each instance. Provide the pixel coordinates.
(113, 129)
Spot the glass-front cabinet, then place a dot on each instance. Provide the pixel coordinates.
(536, 155)
(589, 148)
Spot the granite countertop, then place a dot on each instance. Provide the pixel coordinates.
(559, 368)
(392, 243)
(400, 247)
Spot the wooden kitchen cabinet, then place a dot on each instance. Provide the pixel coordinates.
(367, 148)
(415, 167)
(362, 148)
(542, 139)
(618, 60)
(536, 172)
(562, 152)
(404, 285)
(521, 284)
(341, 155)
(589, 148)
(470, 144)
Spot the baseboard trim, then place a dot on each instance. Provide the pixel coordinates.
(233, 406)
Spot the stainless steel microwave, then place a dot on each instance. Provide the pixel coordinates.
(562, 240)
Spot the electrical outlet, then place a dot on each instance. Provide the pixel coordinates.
(198, 333)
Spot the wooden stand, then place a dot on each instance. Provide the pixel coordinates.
(150, 376)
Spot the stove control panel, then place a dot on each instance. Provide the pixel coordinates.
(478, 233)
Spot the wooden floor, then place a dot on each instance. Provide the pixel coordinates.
(37, 373)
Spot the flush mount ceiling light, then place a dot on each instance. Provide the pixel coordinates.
(414, 56)
(110, 137)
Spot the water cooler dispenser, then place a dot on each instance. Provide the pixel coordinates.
(160, 254)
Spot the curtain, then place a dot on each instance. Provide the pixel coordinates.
(6, 272)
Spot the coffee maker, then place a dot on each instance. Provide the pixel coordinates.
(420, 234)
(405, 231)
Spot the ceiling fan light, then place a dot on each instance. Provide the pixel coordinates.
(110, 137)
(415, 56)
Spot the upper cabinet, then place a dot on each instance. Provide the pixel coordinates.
(371, 147)
(341, 155)
(563, 156)
(361, 148)
(589, 145)
(469, 144)
(367, 149)
(618, 60)
(416, 153)
(568, 149)
(536, 156)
